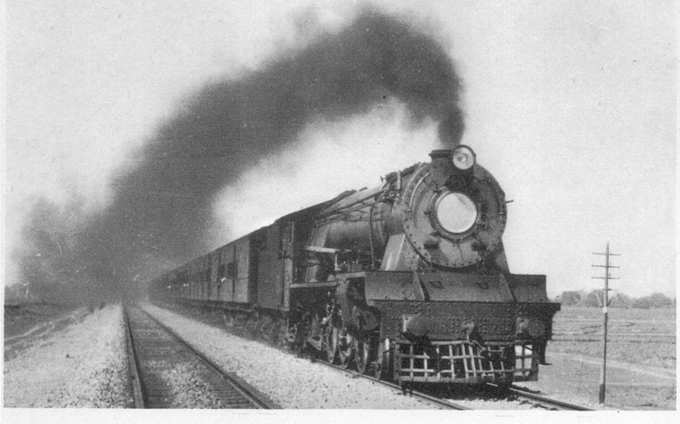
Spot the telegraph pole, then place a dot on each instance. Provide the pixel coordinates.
(605, 303)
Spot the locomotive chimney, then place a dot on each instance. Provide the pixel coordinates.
(441, 165)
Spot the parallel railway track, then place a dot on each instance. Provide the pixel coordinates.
(154, 351)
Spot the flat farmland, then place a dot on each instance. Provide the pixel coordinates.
(641, 358)
(637, 336)
(23, 317)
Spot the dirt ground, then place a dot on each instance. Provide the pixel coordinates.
(640, 357)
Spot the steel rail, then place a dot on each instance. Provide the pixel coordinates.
(418, 394)
(133, 365)
(525, 393)
(259, 399)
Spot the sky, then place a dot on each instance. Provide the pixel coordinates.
(570, 104)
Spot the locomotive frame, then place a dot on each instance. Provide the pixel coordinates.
(407, 280)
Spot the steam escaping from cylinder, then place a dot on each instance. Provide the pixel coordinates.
(161, 213)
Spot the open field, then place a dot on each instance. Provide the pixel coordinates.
(23, 317)
(640, 354)
(638, 336)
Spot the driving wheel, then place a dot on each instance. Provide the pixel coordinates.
(345, 350)
(361, 348)
(331, 335)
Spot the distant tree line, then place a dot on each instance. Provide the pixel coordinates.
(617, 300)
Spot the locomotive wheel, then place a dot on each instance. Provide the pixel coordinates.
(282, 337)
(240, 322)
(228, 320)
(331, 335)
(253, 325)
(276, 331)
(345, 350)
(299, 341)
(380, 363)
(361, 350)
(265, 329)
(386, 367)
(378, 371)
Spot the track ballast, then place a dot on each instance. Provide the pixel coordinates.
(156, 352)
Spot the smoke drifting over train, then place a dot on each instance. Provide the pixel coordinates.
(161, 213)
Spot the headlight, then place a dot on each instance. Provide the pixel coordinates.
(463, 157)
(456, 212)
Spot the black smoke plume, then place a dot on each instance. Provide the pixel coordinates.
(162, 210)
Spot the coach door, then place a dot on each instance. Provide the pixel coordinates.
(274, 265)
(286, 256)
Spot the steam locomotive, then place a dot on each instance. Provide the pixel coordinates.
(408, 280)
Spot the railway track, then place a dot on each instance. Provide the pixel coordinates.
(158, 357)
(539, 400)
(516, 391)
(415, 393)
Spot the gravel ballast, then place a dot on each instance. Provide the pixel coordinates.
(82, 365)
(289, 381)
(189, 389)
